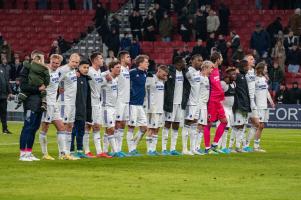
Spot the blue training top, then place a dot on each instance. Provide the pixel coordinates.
(138, 79)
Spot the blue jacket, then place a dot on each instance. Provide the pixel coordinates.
(137, 91)
(260, 41)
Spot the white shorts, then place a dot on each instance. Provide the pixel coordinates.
(108, 115)
(176, 115)
(96, 114)
(122, 111)
(203, 116)
(52, 114)
(240, 118)
(253, 114)
(67, 113)
(155, 120)
(229, 115)
(192, 112)
(263, 115)
(137, 116)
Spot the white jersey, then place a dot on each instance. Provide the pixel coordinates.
(194, 78)
(250, 77)
(204, 92)
(97, 80)
(109, 93)
(68, 81)
(51, 89)
(261, 92)
(124, 85)
(229, 100)
(154, 94)
(178, 92)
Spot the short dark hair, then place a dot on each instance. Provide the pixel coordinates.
(112, 64)
(215, 56)
(140, 59)
(178, 59)
(94, 55)
(121, 54)
(230, 69)
(84, 62)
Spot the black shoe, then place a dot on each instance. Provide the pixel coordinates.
(6, 132)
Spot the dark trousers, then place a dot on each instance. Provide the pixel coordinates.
(78, 132)
(31, 125)
(3, 113)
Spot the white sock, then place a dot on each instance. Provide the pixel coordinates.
(256, 144)
(86, 143)
(192, 137)
(61, 142)
(43, 142)
(174, 138)
(252, 132)
(97, 142)
(106, 143)
(232, 137)
(120, 133)
(68, 142)
(154, 142)
(198, 140)
(148, 143)
(185, 132)
(112, 141)
(239, 136)
(224, 139)
(138, 137)
(243, 137)
(129, 139)
(164, 138)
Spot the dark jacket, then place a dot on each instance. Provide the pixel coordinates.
(276, 75)
(294, 96)
(260, 41)
(135, 22)
(4, 83)
(82, 97)
(33, 101)
(242, 98)
(293, 57)
(200, 50)
(169, 90)
(282, 97)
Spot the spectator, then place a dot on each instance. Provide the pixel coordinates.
(260, 40)
(176, 53)
(72, 4)
(149, 26)
(192, 6)
(213, 22)
(5, 92)
(295, 22)
(187, 29)
(237, 56)
(235, 41)
(111, 57)
(136, 4)
(16, 68)
(221, 46)
(55, 49)
(185, 53)
(125, 42)
(159, 13)
(210, 42)
(293, 60)
(273, 30)
(201, 25)
(135, 20)
(114, 42)
(178, 6)
(294, 94)
(135, 49)
(1, 41)
(6, 50)
(88, 5)
(200, 49)
(165, 28)
(290, 41)
(276, 77)
(63, 44)
(164, 4)
(278, 54)
(101, 15)
(224, 14)
(282, 96)
(115, 23)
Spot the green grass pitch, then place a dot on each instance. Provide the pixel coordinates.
(272, 175)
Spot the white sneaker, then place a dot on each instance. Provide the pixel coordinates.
(197, 153)
(187, 153)
(25, 158)
(260, 150)
(33, 158)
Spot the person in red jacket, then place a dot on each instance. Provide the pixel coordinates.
(215, 107)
